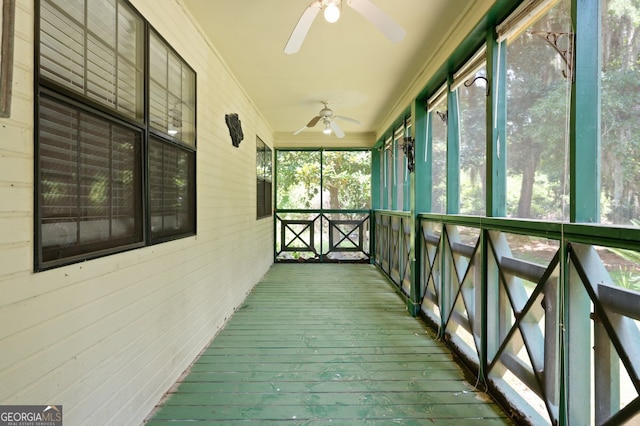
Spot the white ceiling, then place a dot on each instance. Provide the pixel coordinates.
(349, 63)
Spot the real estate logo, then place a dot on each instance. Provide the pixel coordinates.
(30, 415)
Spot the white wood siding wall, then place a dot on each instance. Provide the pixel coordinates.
(106, 338)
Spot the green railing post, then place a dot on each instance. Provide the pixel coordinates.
(375, 200)
(375, 179)
(584, 147)
(496, 164)
(416, 179)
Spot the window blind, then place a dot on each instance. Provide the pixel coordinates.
(470, 68)
(95, 49)
(172, 93)
(437, 98)
(170, 182)
(519, 19)
(89, 179)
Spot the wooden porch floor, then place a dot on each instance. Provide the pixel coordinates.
(325, 344)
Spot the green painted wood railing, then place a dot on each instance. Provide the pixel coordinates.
(496, 291)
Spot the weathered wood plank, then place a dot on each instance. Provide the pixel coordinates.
(313, 358)
(424, 385)
(327, 398)
(337, 411)
(300, 365)
(368, 350)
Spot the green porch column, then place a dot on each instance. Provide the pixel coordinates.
(585, 114)
(585, 207)
(375, 200)
(419, 198)
(384, 178)
(496, 184)
(375, 179)
(394, 174)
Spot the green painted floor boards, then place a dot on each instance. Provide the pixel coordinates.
(325, 344)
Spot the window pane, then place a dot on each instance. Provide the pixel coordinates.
(172, 93)
(298, 180)
(439, 157)
(346, 178)
(268, 164)
(101, 52)
(620, 128)
(62, 44)
(537, 126)
(472, 127)
(263, 175)
(99, 55)
(171, 179)
(89, 183)
(130, 63)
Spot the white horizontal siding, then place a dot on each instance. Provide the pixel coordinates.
(107, 337)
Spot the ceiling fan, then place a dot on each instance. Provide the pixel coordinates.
(370, 11)
(328, 120)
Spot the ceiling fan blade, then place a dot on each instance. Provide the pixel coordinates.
(302, 27)
(351, 120)
(299, 130)
(313, 121)
(381, 20)
(336, 129)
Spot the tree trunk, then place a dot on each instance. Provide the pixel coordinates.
(618, 189)
(630, 59)
(526, 190)
(334, 201)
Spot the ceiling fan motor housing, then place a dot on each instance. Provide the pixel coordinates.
(326, 112)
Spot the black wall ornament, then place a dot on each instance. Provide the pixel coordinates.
(235, 128)
(408, 149)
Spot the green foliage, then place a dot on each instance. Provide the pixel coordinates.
(628, 276)
(543, 203)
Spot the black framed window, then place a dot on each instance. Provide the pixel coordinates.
(107, 179)
(264, 166)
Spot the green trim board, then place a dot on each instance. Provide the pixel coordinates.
(318, 343)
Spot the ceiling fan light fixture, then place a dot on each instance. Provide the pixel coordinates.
(332, 13)
(327, 128)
